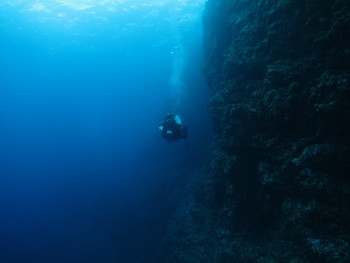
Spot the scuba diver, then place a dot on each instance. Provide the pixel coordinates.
(172, 129)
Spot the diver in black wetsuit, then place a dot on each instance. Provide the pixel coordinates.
(172, 129)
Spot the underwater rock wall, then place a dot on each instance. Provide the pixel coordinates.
(277, 184)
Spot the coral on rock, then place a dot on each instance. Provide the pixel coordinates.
(277, 185)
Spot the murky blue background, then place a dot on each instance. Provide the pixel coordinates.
(84, 173)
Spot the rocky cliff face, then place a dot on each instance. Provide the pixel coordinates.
(277, 185)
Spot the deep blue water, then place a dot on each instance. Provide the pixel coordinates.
(84, 173)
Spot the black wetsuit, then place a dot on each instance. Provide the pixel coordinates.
(173, 131)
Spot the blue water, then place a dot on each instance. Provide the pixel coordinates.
(84, 173)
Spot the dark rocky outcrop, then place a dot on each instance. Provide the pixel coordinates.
(277, 185)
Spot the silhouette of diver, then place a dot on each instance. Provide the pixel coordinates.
(172, 129)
